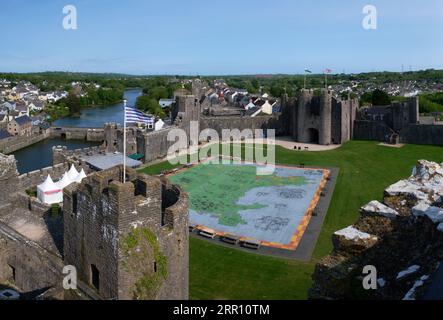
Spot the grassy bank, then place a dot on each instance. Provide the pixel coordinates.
(366, 169)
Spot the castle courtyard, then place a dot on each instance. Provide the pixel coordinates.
(274, 210)
(365, 168)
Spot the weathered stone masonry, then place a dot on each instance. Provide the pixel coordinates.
(127, 240)
(131, 225)
(401, 237)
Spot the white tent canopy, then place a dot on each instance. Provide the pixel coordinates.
(72, 173)
(159, 125)
(48, 192)
(64, 181)
(80, 176)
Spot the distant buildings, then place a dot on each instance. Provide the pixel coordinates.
(18, 103)
(164, 103)
(4, 134)
(20, 126)
(229, 101)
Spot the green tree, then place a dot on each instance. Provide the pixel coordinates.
(149, 105)
(73, 103)
(380, 98)
(366, 99)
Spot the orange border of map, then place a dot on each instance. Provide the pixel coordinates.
(302, 226)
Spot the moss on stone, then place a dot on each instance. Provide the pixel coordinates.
(138, 246)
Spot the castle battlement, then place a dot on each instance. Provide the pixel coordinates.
(137, 232)
(322, 118)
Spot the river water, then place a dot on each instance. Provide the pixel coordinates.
(39, 155)
(98, 116)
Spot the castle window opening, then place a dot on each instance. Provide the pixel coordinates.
(74, 203)
(155, 266)
(12, 272)
(95, 277)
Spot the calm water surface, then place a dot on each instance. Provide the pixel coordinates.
(39, 155)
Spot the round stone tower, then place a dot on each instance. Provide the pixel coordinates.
(303, 105)
(414, 109)
(325, 117)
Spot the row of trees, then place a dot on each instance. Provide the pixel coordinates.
(154, 90)
(94, 97)
(59, 80)
(102, 96)
(431, 102)
(375, 98)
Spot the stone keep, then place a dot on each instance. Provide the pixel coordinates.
(128, 240)
(322, 119)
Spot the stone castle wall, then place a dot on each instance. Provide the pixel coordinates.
(320, 119)
(15, 143)
(8, 178)
(60, 154)
(88, 134)
(402, 237)
(422, 134)
(412, 133)
(176, 243)
(240, 123)
(34, 178)
(371, 130)
(156, 145)
(26, 264)
(141, 231)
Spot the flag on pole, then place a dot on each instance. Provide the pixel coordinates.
(136, 116)
(327, 71)
(308, 71)
(132, 115)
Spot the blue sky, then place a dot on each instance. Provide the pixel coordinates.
(224, 37)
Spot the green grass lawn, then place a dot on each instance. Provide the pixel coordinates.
(366, 169)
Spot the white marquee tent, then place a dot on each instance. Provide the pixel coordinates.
(80, 176)
(72, 173)
(159, 125)
(64, 181)
(48, 192)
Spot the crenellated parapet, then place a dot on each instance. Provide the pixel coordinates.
(137, 235)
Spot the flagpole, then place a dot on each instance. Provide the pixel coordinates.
(304, 86)
(124, 142)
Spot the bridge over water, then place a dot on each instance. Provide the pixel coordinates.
(76, 133)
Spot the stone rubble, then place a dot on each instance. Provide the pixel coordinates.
(379, 208)
(401, 236)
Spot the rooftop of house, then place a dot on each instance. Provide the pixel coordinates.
(23, 120)
(251, 111)
(21, 108)
(4, 134)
